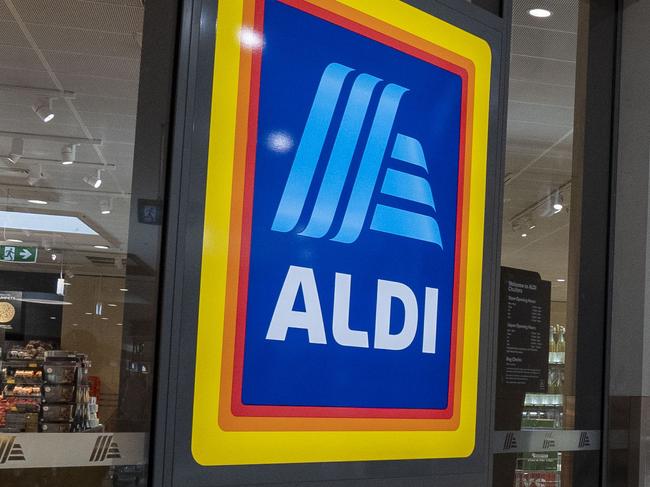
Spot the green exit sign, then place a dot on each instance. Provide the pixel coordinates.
(15, 253)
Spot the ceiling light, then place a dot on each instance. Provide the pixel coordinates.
(68, 154)
(105, 207)
(17, 150)
(40, 222)
(94, 181)
(561, 280)
(102, 247)
(112, 305)
(37, 202)
(524, 235)
(540, 13)
(14, 240)
(104, 318)
(43, 108)
(35, 178)
(118, 324)
(558, 202)
(53, 256)
(88, 313)
(123, 289)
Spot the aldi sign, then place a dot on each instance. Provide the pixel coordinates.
(340, 291)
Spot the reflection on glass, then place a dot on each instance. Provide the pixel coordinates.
(537, 346)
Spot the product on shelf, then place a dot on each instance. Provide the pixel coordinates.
(35, 349)
(16, 390)
(46, 390)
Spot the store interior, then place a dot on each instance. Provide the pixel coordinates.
(69, 73)
(537, 232)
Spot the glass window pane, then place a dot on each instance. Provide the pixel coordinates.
(80, 222)
(542, 352)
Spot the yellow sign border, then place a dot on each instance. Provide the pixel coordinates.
(212, 446)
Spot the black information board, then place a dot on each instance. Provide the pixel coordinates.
(524, 327)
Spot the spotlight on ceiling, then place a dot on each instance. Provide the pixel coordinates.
(43, 108)
(558, 203)
(94, 181)
(68, 154)
(34, 179)
(540, 13)
(17, 150)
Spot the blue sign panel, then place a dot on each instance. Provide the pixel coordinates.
(350, 296)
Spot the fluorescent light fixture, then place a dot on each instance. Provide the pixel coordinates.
(118, 324)
(39, 222)
(14, 240)
(101, 247)
(112, 305)
(43, 108)
(124, 290)
(68, 154)
(60, 286)
(55, 302)
(104, 318)
(37, 202)
(524, 235)
(540, 13)
(561, 280)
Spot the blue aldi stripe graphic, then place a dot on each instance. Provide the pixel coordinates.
(396, 183)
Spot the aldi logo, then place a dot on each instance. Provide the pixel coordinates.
(10, 450)
(105, 448)
(398, 184)
(350, 184)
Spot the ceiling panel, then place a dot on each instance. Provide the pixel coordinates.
(89, 42)
(539, 152)
(549, 71)
(544, 43)
(540, 114)
(83, 15)
(546, 94)
(93, 50)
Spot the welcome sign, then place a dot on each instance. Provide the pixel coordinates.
(341, 280)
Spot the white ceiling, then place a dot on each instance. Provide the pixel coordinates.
(540, 138)
(91, 48)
